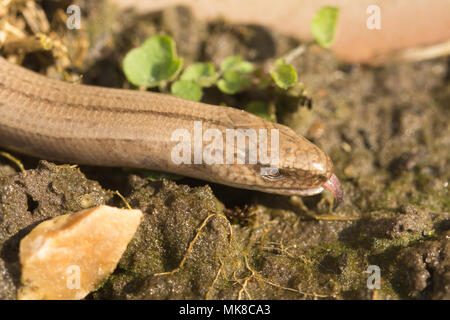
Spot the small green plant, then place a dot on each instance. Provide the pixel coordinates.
(234, 75)
(152, 63)
(156, 64)
(193, 79)
(204, 74)
(187, 89)
(323, 26)
(284, 74)
(261, 109)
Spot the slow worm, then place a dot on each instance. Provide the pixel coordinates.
(82, 124)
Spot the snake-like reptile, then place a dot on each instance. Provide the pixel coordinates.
(60, 121)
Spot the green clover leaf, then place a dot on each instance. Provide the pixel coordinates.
(323, 26)
(152, 63)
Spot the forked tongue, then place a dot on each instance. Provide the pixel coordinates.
(334, 185)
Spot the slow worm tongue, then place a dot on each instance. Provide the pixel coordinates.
(334, 185)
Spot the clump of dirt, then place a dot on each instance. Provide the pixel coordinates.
(423, 270)
(385, 128)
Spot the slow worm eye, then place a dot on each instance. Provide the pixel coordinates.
(271, 174)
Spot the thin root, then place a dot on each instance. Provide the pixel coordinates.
(13, 159)
(123, 199)
(191, 244)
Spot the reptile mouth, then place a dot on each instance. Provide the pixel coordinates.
(335, 187)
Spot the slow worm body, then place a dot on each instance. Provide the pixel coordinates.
(55, 120)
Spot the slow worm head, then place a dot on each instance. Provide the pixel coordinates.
(54, 120)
